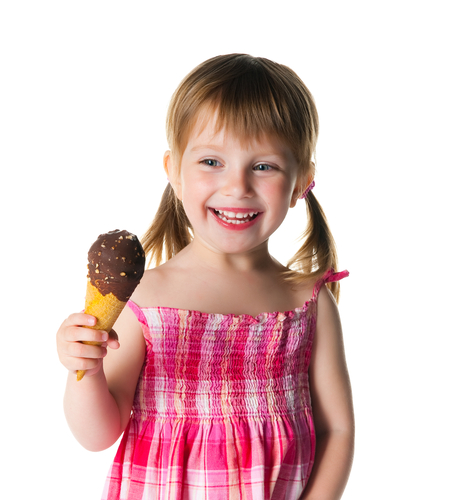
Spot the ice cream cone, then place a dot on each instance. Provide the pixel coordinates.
(106, 308)
(115, 267)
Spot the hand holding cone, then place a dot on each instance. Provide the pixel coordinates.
(116, 266)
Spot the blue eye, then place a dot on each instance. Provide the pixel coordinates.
(210, 162)
(262, 167)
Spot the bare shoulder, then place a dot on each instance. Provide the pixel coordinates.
(327, 314)
(152, 286)
(301, 293)
(328, 341)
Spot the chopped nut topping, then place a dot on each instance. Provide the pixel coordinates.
(123, 274)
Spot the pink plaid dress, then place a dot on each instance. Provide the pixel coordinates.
(222, 408)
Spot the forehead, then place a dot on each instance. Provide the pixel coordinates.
(209, 130)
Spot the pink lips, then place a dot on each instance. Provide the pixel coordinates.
(226, 217)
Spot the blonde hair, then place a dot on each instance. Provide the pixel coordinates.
(250, 96)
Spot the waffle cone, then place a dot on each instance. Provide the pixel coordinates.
(106, 308)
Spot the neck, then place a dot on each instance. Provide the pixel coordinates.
(255, 260)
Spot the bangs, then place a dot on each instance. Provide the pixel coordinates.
(249, 97)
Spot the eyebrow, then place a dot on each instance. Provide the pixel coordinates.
(206, 146)
(200, 147)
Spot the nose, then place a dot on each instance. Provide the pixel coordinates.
(237, 183)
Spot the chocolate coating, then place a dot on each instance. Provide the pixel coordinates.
(116, 263)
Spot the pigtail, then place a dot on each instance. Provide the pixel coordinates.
(169, 231)
(318, 253)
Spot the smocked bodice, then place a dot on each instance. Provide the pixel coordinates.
(209, 366)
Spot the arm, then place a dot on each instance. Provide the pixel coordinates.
(332, 406)
(98, 407)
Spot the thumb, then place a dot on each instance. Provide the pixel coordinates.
(113, 340)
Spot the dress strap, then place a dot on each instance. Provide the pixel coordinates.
(328, 277)
(138, 312)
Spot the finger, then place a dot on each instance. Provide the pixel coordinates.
(90, 372)
(89, 365)
(81, 357)
(81, 334)
(80, 319)
(85, 351)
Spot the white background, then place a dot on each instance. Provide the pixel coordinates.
(84, 90)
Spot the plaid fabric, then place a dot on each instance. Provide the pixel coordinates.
(222, 408)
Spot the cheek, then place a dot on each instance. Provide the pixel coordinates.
(195, 195)
(199, 183)
(278, 203)
(278, 194)
(187, 186)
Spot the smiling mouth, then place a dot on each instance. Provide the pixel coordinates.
(235, 217)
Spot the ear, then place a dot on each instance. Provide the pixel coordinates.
(172, 173)
(295, 196)
(300, 188)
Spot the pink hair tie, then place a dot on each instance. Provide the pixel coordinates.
(308, 189)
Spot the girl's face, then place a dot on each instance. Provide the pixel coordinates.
(235, 193)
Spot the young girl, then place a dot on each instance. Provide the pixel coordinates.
(230, 381)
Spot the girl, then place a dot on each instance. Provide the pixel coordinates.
(219, 399)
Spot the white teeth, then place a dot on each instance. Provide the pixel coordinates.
(236, 215)
(232, 217)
